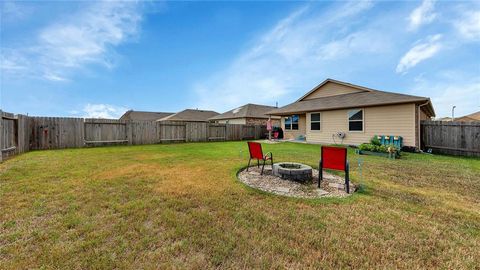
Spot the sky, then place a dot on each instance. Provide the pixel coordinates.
(101, 58)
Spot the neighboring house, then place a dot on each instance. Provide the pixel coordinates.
(469, 118)
(146, 116)
(248, 114)
(334, 106)
(443, 119)
(190, 115)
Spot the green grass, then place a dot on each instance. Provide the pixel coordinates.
(180, 206)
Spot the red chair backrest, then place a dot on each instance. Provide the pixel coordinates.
(255, 150)
(334, 158)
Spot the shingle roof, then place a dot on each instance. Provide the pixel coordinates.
(142, 115)
(367, 98)
(469, 118)
(248, 110)
(190, 115)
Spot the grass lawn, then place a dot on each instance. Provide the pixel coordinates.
(180, 206)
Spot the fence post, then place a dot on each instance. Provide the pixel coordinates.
(129, 132)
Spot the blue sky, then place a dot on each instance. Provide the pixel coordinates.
(98, 59)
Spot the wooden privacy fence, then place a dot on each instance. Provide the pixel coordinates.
(452, 138)
(20, 133)
(13, 134)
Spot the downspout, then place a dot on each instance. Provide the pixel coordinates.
(271, 126)
(419, 126)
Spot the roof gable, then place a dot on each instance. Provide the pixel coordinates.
(247, 110)
(190, 115)
(469, 118)
(365, 97)
(331, 87)
(143, 115)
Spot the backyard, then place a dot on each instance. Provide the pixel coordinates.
(181, 206)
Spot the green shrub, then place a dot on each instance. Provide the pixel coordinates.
(375, 141)
(382, 148)
(365, 147)
(375, 148)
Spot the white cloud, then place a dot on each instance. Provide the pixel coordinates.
(469, 25)
(76, 41)
(446, 91)
(14, 11)
(101, 111)
(420, 52)
(291, 52)
(423, 14)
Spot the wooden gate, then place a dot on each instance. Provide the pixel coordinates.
(452, 138)
(105, 131)
(217, 132)
(56, 132)
(248, 132)
(171, 132)
(9, 136)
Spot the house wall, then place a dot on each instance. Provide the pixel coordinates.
(292, 134)
(249, 121)
(238, 121)
(332, 89)
(398, 120)
(262, 122)
(423, 115)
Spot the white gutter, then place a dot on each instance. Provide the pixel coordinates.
(419, 126)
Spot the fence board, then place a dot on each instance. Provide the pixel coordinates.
(23, 132)
(9, 136)
(453, 138)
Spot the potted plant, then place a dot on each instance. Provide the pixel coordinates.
(377, 149)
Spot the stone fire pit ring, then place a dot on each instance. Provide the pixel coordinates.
(293, 171)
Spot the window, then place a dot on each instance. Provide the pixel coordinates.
(355, 120)
(291, 123)
(315, 121)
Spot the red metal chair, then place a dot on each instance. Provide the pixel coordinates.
(334, 158)
(257, 153)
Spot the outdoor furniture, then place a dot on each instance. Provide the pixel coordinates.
(334, 158)
(257, 153)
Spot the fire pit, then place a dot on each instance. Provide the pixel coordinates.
(293, 171)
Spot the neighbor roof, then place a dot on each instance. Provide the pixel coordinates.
(246, 111)
(367, 98)
(469, 118)
(141, 115)
(190, 115)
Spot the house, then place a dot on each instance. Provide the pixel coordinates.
(443, 119)
(356, 111)
(145, 116)
(190, 115)
(469, 118)
(248, 114)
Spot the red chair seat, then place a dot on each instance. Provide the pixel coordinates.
(256, 152)
(334, 158)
